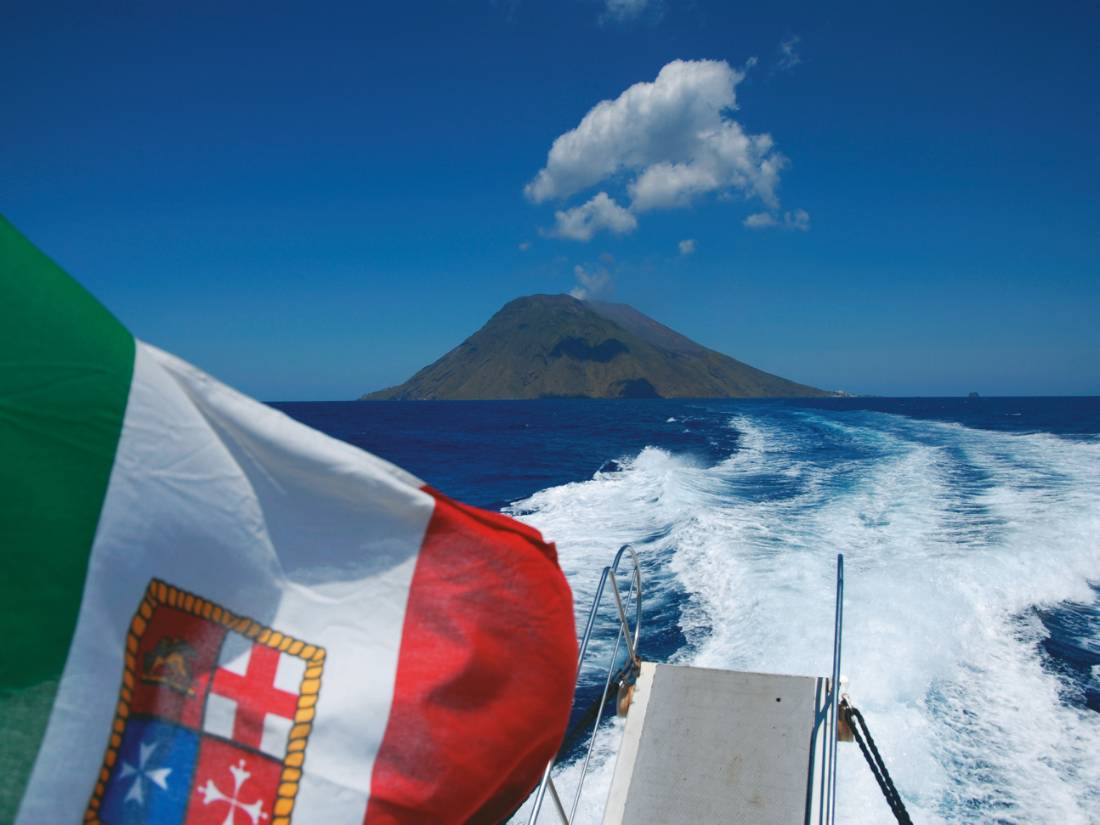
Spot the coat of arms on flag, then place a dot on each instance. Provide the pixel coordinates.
(212, 720)
(452, 626)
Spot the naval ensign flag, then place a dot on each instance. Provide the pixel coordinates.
(210, 613)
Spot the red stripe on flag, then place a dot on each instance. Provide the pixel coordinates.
(484, 676)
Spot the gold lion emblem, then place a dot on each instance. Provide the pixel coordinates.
(170, 663)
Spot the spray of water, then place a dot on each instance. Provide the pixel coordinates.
(952, 538)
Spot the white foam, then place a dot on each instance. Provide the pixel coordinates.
(596, 786)
(951, 535)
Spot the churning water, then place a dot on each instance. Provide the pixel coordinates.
(971, 534)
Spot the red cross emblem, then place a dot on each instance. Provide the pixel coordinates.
(256, 696)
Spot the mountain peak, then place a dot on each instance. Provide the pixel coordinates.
(541, 346)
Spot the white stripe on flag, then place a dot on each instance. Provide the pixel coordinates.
(231, 500)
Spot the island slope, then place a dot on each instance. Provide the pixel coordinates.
(555, 346)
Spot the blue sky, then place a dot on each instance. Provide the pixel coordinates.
(312, 201)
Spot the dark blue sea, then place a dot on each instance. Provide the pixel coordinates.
(971, 533)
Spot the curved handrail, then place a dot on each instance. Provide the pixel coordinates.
(834, 699)
(610, 572)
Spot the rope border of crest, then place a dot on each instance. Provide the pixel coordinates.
(161, 593)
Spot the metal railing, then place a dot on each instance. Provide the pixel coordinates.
(624, 634)
(834, 690)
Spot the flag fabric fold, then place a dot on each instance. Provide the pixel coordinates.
(217, 614)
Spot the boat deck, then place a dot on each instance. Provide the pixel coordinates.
(716, 746)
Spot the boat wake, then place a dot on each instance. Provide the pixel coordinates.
(960, 546)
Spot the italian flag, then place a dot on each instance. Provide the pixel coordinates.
(210, 613)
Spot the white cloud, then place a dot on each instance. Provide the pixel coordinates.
(797, 219)
(759, 220)
(672, 141)
(582, 222)
(622, 10)
(788, 56)
(524, 246)
(667, 185)
(687, 247)
(591, 282)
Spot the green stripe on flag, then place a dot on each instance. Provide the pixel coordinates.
(65, 370)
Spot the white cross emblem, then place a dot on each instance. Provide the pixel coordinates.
(211, 793)
(142, 774)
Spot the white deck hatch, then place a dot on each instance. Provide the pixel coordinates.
(718, 746)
